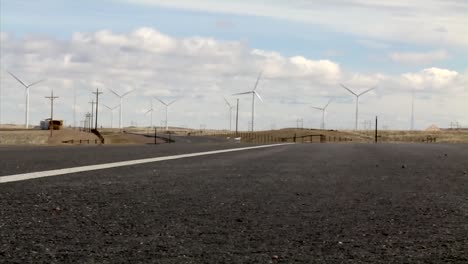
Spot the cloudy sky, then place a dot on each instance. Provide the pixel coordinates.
(199, 51)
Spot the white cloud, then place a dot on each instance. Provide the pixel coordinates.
(435, 79)
(419, 58)
(434, 22)
(200, 71)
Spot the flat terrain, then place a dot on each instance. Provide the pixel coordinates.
(304, 203)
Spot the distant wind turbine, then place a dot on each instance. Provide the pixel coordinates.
(323, 109)
(167, 106)
(357, 102)
(121, 103)
(27, 96)
(412, 110)
(230, 112)
(151, 110)
(111, 109)
(254, 93)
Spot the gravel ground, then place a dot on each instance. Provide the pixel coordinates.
(309, 203)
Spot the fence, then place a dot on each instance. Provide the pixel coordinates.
(265, 138)
(409, 139)
(82, 141)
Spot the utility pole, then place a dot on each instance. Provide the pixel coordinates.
(88, 122)
(97, 93)
(237, 116)
(412, 110)
(92, 114)
(74, 107)
(376, 129)
(51, 123)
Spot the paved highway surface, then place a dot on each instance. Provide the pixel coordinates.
(305, 203)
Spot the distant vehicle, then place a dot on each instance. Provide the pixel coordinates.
(56, 124)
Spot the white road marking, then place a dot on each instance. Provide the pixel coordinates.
(49, 173)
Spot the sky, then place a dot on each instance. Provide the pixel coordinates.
(197, 52)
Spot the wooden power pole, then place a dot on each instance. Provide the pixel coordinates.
(97, 93)
(51, 123)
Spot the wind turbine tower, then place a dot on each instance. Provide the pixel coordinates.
(111, 109)
(121, 96)
(254, 93)
(230, 112)
(151, 110)
(27, 96)
(323, 109)
(167, 106)
(357, 102)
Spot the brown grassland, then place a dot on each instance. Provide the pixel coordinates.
(14, 135)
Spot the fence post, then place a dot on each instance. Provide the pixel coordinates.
(294, 137)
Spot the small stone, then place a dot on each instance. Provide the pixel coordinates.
(340, 243)
(465, 172)
(275, 257)
(403, 166)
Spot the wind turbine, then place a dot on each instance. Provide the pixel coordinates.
(254, 93)
(151, 110)
(27, 96)
(111, 109)
(323, 109)
(167, 106)
(357, 102)
(230, 112)
(121, 103)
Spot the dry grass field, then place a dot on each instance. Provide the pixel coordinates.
(20, 136)
(13, 135)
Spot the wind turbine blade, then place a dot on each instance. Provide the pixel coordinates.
(329, 101)
(318, 108)
(171, 102)
(34, 83)
(128, 92)
(112, 91)
(368, 90)
(258, 96)
(18, 79)
(348, 89)
(227, 102)
(107, 107)
(160, 101)
(258, 79)
(243, 93)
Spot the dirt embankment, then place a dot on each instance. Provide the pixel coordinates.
(42, 137)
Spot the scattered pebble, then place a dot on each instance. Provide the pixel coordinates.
(275, 257)
(403, 166)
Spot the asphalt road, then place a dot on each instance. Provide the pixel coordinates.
(309, 203)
